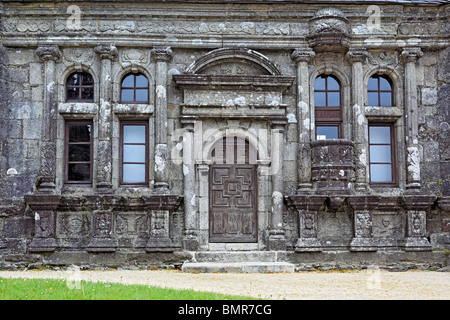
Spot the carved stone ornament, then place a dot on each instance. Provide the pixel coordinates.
(48, 53)
(302, 55)
(161, 53)
(106, 51)
(356, 55)
(411, 54)
(102, 230)
(328, 27)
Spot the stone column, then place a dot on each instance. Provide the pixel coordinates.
(161, 55)
(44, 208)
(363, 207)
(360, 128)
(190, 239)
(308, 207)
(107, 54)
(277, 239)
(416, 221)
(47, 175)
(410, 57)
(302, 58)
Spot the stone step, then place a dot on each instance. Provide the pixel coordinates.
(237, 267)
(235, 256)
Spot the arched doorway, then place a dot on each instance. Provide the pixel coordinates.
(233, 191)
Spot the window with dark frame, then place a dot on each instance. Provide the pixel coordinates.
(80, 87)
(134, 89)
(134, 159)
(382, 154)
(327, 102)
(380, 92)
(78, 152)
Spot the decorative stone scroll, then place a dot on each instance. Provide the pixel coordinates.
(333, 170)
(44, 207)
(416, 229)
(160, 207)
(363, 207)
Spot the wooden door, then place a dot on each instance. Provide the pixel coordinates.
(232, 195)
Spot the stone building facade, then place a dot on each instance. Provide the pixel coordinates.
(153, 133)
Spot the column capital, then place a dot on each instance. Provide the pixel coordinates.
(48, 53)
(411, 54)
(106, 51)
(356, 54)
(302, 55)
(161, 53)
(278, 123)
(188, 122)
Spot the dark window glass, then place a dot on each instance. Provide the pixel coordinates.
(78, 152)
(328, 113)
(381, 153)
(134, 152)
(135, 89)
(80, 87)
(379, 91)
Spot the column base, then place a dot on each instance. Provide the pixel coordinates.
(104, 188)
(277, 240)
(101, 245)
(159, 245)
(363, 244)
(190, 241)
(42, 245)
(417, 244)
(308, 245)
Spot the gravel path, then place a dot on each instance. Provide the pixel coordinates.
(367, 284)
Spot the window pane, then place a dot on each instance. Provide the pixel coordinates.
(319, 83)
(79, 152)
(380, 134)
(319, 99)
(327, 132)
(73, 80)
(133, 134)
(134, 153)
(80, 133)
(334, 99)
(79, 172)
(87, 80)
(373, 83)
(127, 95)
(128, 81)
(380, 153)
(73, 94)
(141, 95)
(384, 84)
(332, 84)
(380, 173)
(87, 93)
(386, 99)
(133, 173)
(372, 99)
(141, 81)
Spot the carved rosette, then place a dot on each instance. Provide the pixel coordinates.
(102, 233)
(44, 207)
(333, 169)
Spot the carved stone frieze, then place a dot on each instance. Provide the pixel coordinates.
(102, 227)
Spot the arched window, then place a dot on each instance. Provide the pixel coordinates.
(379, 91)
(327, 102)
(134, 89)
(80, 87)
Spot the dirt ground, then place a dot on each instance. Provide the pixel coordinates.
(349, 285)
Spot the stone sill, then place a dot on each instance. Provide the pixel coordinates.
(383, 113)
(78, 108)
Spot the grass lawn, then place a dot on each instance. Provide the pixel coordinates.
(52, 289)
